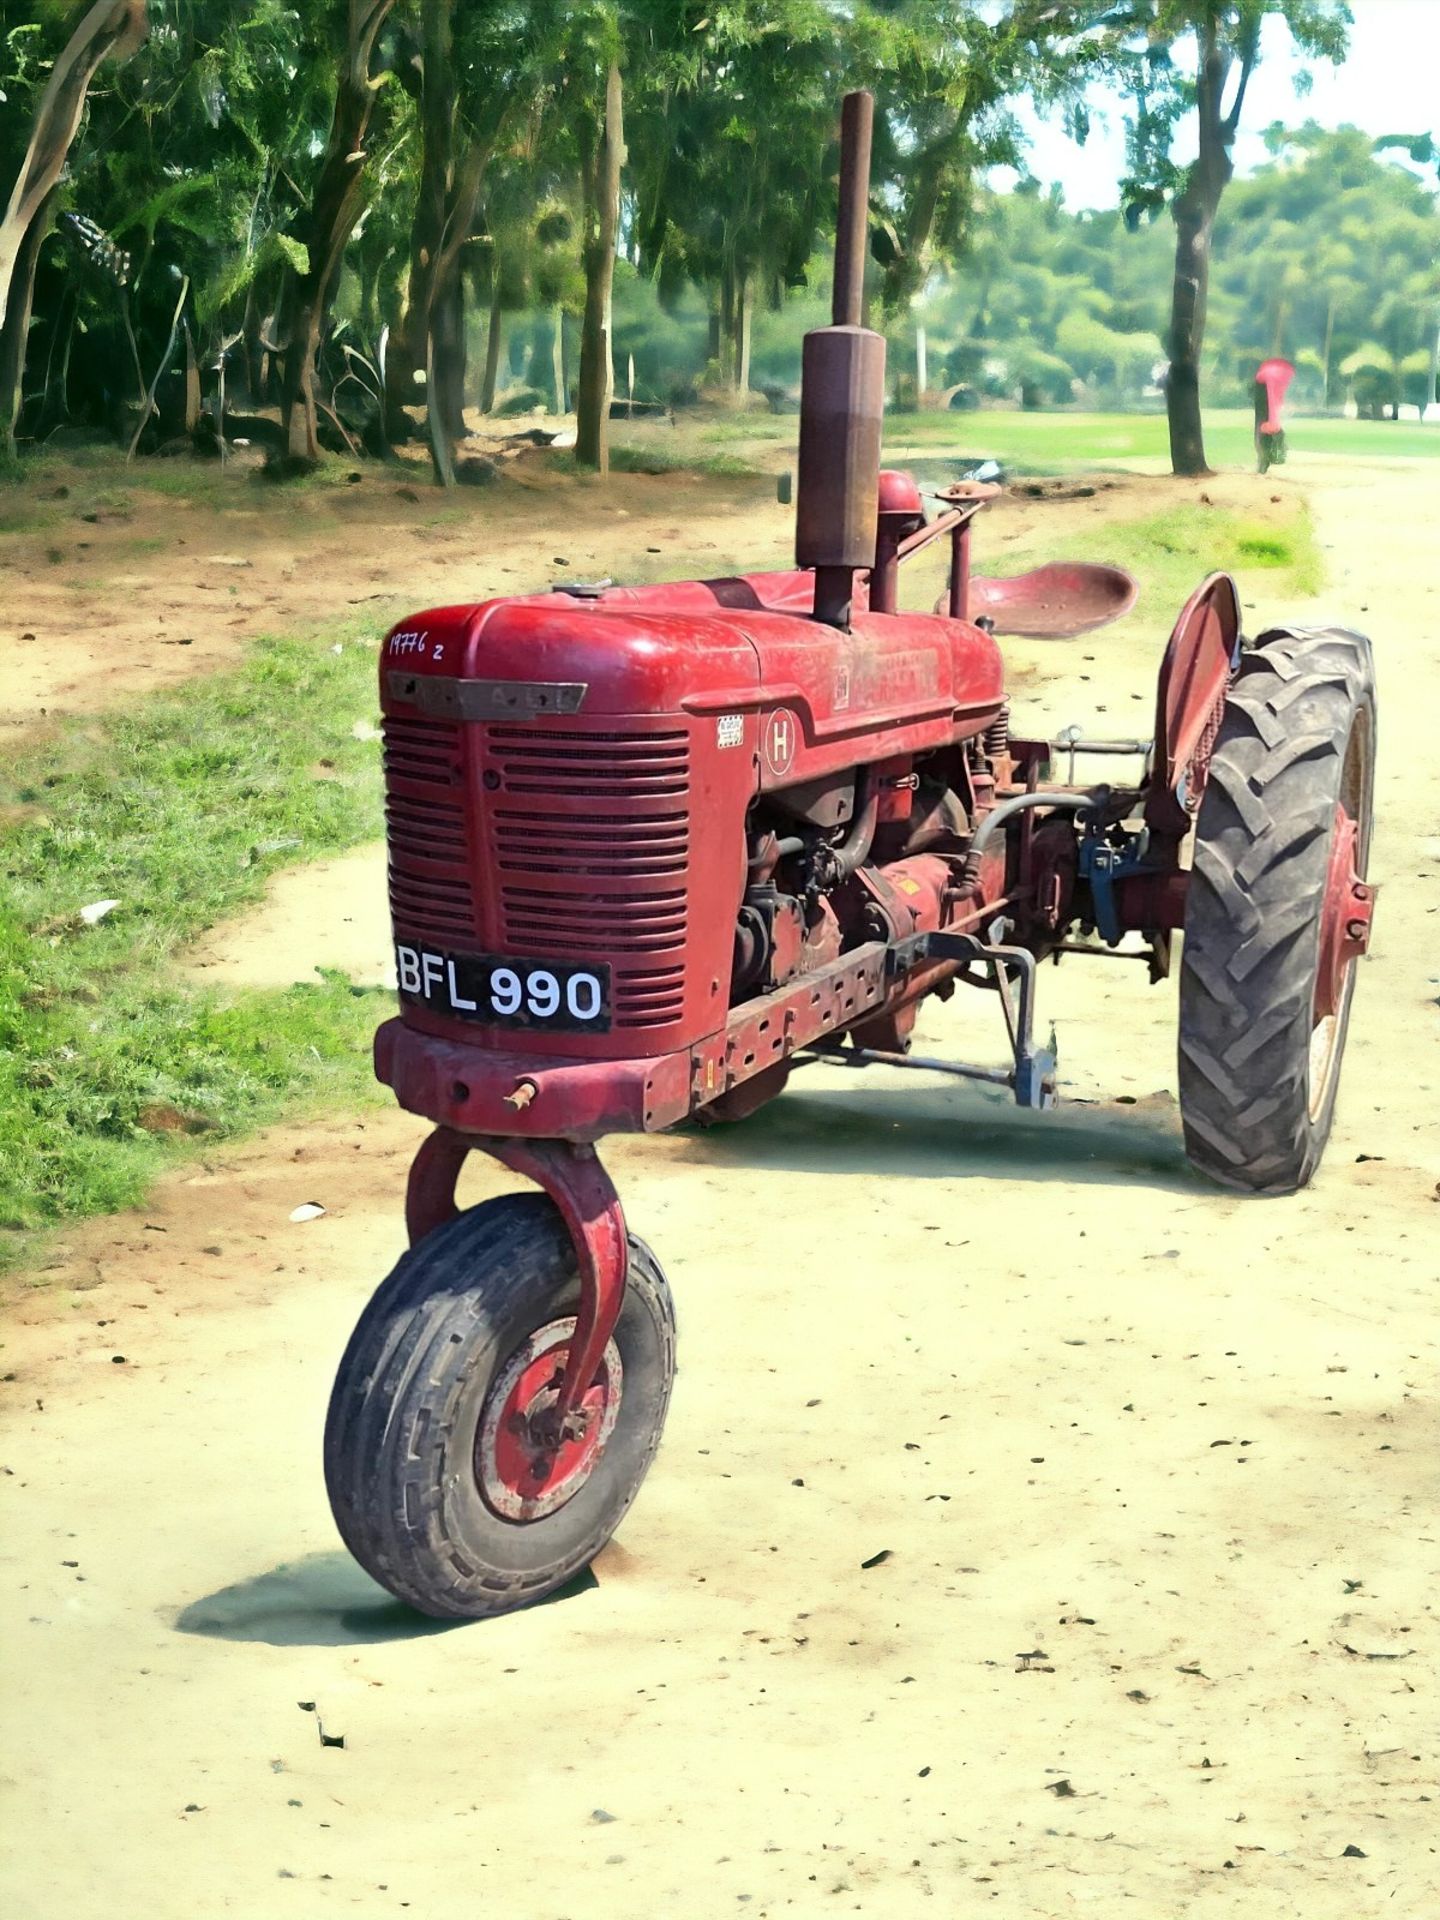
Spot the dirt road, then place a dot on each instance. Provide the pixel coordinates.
(1155, 1469)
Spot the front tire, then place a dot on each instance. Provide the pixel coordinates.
(432, 1476)
(1281, 846)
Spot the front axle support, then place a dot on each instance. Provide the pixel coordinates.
(572, 1175)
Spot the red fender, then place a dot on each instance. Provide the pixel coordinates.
(1199, 663)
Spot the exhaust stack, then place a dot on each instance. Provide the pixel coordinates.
(842, 398)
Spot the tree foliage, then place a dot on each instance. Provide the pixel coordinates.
(345, 221)
(1193, 59)
(1328, 254)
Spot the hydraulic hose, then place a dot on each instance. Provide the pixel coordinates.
(855, 847)
(777, 850)
(997, 817)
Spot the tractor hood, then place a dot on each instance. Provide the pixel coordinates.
(694, 647)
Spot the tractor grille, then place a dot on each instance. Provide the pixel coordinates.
(433, 828)
(612, 880)
(424, 751)
(430, 892)
(604, 844)
(592, 765)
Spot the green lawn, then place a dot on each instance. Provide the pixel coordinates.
(1067, 442)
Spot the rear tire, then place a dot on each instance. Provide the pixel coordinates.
(411, 1436)
(1259, 1055)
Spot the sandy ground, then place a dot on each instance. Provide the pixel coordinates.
(1155, 1470)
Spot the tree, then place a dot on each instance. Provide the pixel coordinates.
(108, 30)
(604, 157)
(1326, 249)
(448, 189)
(588, 105)
(1225, 39)
(336, 205)
(1424, 150)
(736, 155)
(482, 67)
(944, 71)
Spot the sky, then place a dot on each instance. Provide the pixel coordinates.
(1389, 83)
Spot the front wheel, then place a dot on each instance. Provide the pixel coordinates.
(1278, 909)
(445, 1480)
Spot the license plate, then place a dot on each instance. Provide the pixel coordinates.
(504, 991)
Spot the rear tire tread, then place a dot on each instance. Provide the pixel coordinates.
(1252, 930)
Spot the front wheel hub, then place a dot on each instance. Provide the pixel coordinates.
(526, 1464)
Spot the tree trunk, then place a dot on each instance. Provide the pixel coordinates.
(557, 362)
(192, 383)
(15, 328)
(431, 331)
(445, 319)
(727, 326)
(1187, 334)
(1194, 211)
(64, 413)
(338, 202)
(905, 273)
(252, 345)
(493, 335)
(445, 391)
(62, 331)
(1325, 356)
(407, 354)
(602, 222)
(744, 306)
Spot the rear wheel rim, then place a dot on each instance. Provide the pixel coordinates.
(523, 1469)
(1344, 919)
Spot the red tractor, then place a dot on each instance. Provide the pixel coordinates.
(652, 849)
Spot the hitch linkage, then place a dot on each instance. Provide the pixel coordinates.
(1031, 1078)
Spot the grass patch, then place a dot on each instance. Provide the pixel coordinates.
(1170, 552)
(1074, 442)
(1069, 442)
(1267, 549)
(179, 810)
(47, 489)
(649, 453)
(653, 459)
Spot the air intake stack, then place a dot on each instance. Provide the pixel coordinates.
(842, 398)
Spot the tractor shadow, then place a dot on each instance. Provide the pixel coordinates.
(947, 1132)
(324, 1600)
